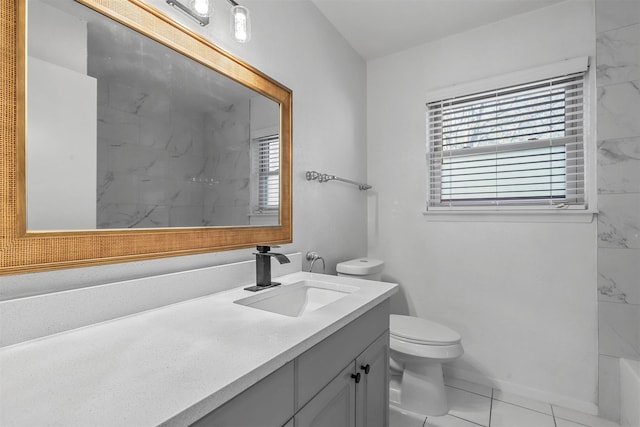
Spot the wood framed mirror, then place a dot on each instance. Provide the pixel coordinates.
(58, 205)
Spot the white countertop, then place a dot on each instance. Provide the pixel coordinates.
(169, 365)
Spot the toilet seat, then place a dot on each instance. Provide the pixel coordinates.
(419, 331)
(413, 337)
(403, 351)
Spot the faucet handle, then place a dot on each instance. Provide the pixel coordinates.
(263, 249)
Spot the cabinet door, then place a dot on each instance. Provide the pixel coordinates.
(317, 366)
(372, 409)
(334, 406)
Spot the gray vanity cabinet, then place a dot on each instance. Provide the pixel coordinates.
(341, 381)
(316, 367)
(372, 393)
(357, 396)
(334, 406)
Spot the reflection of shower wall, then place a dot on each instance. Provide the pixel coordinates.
(227, 198)
(160, 165)
(150, 160)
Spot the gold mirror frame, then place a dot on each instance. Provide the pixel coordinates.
(23, 251)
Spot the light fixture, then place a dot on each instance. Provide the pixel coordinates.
(240, 23)
(199, 10)
(201, 7)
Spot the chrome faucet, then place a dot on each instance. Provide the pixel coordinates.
(263, 268)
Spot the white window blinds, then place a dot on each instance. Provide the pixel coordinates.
(520, 145)
(267, 167)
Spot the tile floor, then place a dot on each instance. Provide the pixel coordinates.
(474, 405)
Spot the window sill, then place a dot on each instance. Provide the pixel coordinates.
(574, 216)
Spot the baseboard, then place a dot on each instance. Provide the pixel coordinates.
(524, 391)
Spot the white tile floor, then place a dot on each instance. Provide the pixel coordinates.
(473, 405)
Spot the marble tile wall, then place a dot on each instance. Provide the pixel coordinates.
(227, 198)
(159, 165)
(618, 129)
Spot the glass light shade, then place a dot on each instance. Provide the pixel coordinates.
(240, 24)
(201, 7)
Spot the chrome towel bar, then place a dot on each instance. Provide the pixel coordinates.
(323, 177)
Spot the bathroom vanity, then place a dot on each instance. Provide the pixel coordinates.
(342, 381)
(213, 360)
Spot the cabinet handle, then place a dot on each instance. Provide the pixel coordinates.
(366, 368)
(356, 377)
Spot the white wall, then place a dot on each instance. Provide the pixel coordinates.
(62, 108)
(56, 37)
(61, 177)
(522, 294)
(293, 43)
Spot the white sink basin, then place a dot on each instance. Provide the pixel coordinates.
(298, 298)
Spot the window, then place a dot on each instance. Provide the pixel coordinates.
(266, 172)
(516, 146)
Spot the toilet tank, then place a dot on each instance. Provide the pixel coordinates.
(361, 268)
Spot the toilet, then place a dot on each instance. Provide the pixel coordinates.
(418, 347)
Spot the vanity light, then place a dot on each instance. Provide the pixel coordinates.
(201, 7)
(197, 6)
(240, 24)
(201, 10)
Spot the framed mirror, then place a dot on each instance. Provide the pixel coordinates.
(128, 136)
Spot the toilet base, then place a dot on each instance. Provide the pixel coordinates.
(404, 416)
(420, 389)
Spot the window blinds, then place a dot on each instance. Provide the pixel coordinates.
(267, 165)
(521, 145)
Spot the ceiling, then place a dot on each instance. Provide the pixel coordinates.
(376, 28)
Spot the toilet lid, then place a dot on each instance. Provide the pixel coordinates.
(422, 331)
(360, 266)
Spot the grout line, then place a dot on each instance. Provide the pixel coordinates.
(477, 394)
(524, 407)
(469, 421)
(529, 409)
(492, 398)
(566, 419)
(573, 421)
(468, 391)
(616, 29)
(491, 407)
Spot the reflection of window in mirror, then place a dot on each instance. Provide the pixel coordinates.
(265, 162)
(265, 182)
